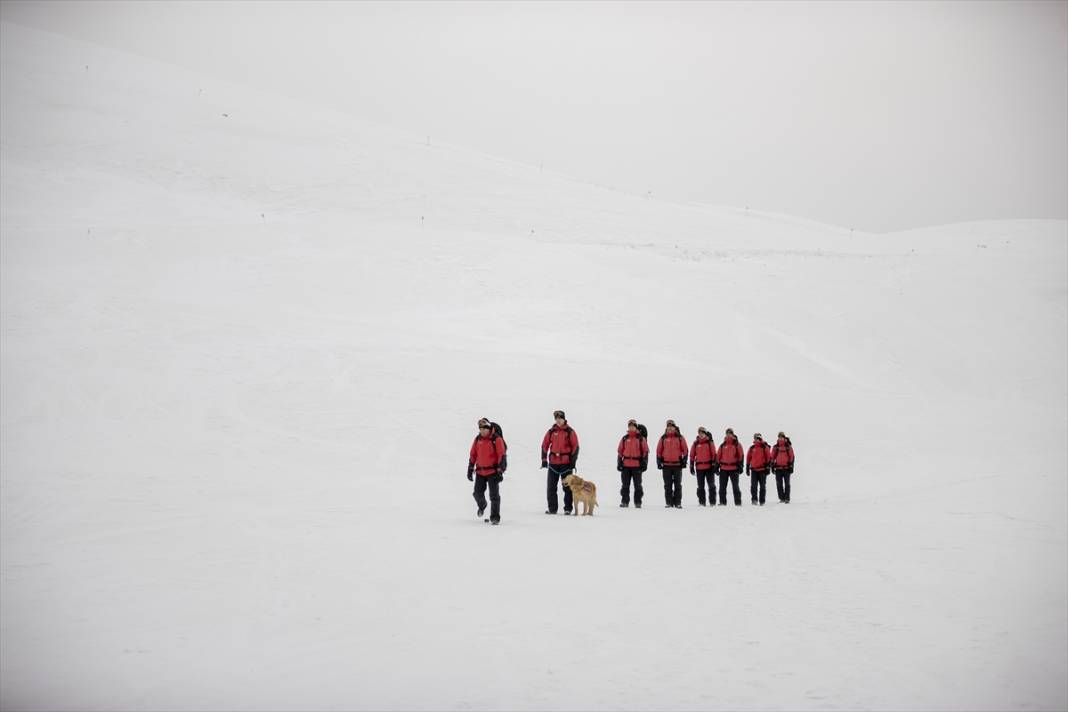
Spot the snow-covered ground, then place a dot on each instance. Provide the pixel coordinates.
(245, 342)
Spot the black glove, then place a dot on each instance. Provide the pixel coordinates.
(659, 464)
(574, 460)
(503, 464)
(682, 463)
(715, 469)
(500, 475)
(544, 463)
(619, 464)
(470, 472)
(790, 470)
(692, 470)
(645, 464)
(747, 472)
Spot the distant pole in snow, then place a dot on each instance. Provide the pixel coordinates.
(422, 220)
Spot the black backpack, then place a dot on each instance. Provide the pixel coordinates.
(496, 432)
(643, 431)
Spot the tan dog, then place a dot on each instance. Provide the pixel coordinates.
(583, 491)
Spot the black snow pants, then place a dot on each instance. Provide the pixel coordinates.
(758, 484)
(628, 475)
(706, 476)
(782, 484)
(673, 485)
(494, 484)
(733, 478)
(553, 481)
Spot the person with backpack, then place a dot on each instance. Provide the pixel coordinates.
(704, 466)
(671, 458)
(559, 452)
(757, 466)
(731, 460)
(782, 464)
(486, 466)
(632, 459)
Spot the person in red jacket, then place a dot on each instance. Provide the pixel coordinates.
(671, 458)
(757, 466)
(559, 452)
(731, 460)
(782, 464)
(703, 465)
(632, 459)
(486, 467)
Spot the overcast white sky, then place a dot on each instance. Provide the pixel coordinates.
(870, 115)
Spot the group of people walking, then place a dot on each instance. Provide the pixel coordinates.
(560, 450)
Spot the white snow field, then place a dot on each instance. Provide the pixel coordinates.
(246, 342)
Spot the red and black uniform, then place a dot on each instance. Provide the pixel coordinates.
(704, 465)
(632, 459)
(782, 464)
(671, 458)
(559, 452)
(731, 461)
(488, 462)
(757, 466)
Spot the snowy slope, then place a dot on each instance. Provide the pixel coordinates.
(243, 357)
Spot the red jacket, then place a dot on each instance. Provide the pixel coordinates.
(487, 454)
(671, 450)
(782, 455)
(759, 457)
(633, 448)
(561, 444)
(730, 455)
(703, 454)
